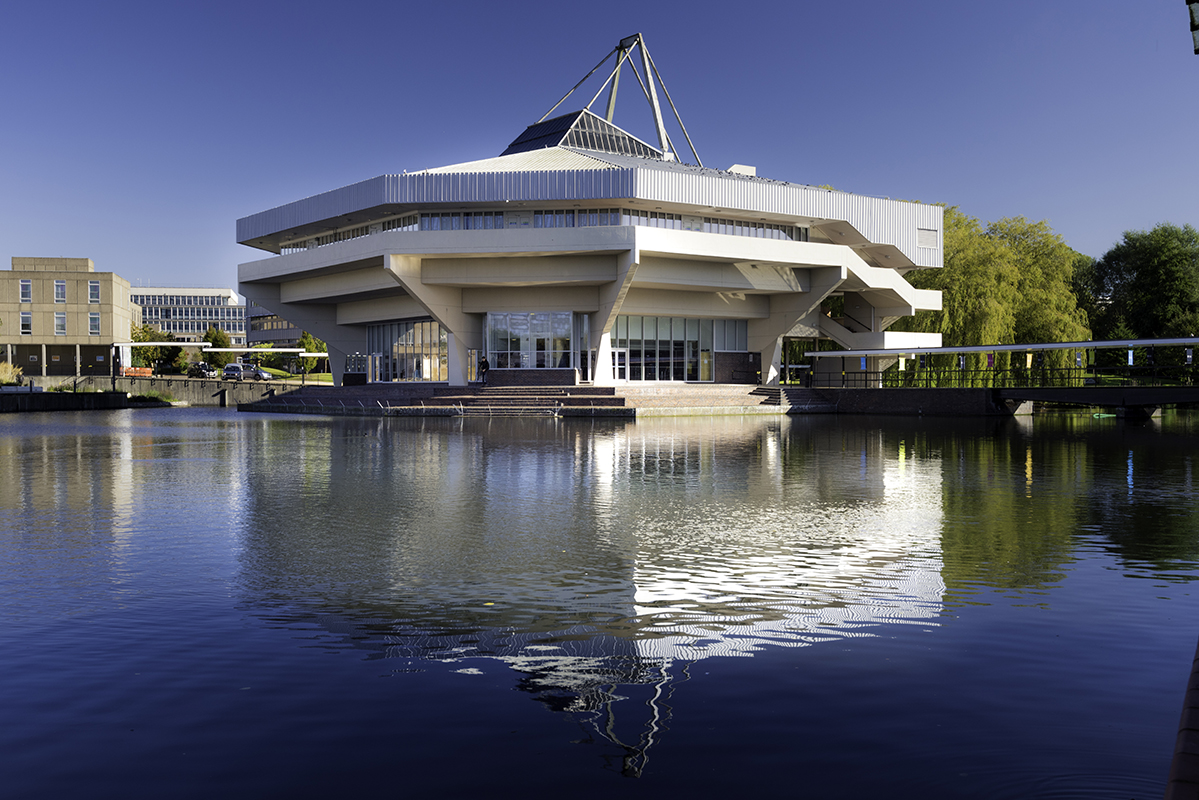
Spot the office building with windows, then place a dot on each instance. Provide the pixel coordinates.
(58, 316)
(266, 327)
(583, 254)
(189, 312)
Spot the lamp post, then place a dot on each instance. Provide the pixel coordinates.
(1193, 7)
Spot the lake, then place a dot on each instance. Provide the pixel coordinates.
(202, 603)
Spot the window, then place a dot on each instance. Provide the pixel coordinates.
(412, 351)
(26, 290)
(93, 292)
(536, 340)
(60, 291)
(93, 323)
(60, 323)
(26, 323)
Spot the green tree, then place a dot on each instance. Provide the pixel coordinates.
(1148, 284)
(978, 288)
(310, 344)
(217, 338)
(261, 354)
(1082, 283)
(1007, 283)
(152, 356)
(1046, 309)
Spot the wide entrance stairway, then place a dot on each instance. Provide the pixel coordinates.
(532, 401)
(522, 401)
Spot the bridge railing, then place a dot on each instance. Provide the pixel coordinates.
(994, 378)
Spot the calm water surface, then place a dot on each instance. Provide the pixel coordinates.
(198, 603)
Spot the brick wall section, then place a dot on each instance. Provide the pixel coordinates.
(736, 367)
(532, 377)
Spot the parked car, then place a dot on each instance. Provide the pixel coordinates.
(246, 372)
(202, 369)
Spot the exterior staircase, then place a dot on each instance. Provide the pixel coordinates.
(808, 401)
(767, 395)
(523, 401)
(548, 401)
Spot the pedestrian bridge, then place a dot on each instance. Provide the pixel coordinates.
(1130, 401)
(1136, 377)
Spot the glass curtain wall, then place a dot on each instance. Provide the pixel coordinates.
(530, 340)
(674, 348)
(410, 351)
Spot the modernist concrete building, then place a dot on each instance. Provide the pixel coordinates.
(583, 254)
(58, 316)
(187, 313)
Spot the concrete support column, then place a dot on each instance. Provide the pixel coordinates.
(43, 360)
(611, 298)
(772, 363)
(443, 303)
(603, 362)
(78, 362)
(456, 360)
(337, 363)
(786, 311)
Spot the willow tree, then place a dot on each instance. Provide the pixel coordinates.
(1046, 308)
(1007, 283)
(978, 288)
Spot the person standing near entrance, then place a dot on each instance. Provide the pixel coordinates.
(483, 367)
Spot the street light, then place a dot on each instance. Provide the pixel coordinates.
(1193, 7)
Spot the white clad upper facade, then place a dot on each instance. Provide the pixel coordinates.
(579, 217)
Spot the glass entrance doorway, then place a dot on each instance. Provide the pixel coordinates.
(538, 340)
(620, 364)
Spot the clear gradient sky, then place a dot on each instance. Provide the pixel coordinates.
(136, 133)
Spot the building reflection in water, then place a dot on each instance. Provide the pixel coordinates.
(83, 491)
(594, 561)
(598, 561)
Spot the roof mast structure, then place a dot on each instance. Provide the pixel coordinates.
(623, 52)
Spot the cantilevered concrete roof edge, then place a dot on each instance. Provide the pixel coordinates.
(879, 220)
(339, 207)
(326, 205)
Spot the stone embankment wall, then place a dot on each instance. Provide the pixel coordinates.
(698, 399)
(923, 402)
(193, 391)
(11, 401)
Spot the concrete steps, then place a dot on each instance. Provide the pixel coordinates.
(521, 401)
(768, 395)
(807, 401)
(544, 401)
(699, 395)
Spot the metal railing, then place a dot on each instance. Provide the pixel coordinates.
(1012, 378)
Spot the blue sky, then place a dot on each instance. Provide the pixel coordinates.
(136, 133)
